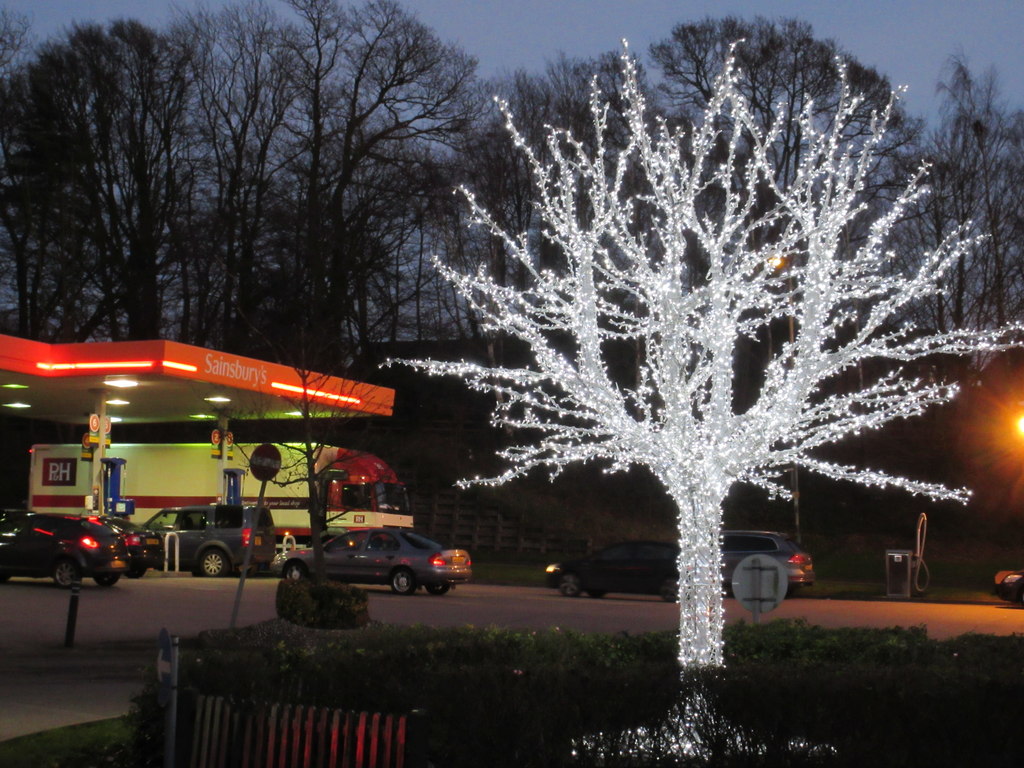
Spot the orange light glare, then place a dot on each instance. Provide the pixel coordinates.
(1020, 425)
(113, 364)
(180, 366)
(316, 393)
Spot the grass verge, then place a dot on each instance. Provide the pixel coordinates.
(83, 746)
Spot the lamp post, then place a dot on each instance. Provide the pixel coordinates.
(780, 262)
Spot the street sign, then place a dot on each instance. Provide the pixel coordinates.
(265, 462)
(759, 583)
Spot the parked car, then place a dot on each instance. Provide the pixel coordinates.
(210, 540)
(644, 567)
(1010, 586)
(401, 558)
(145, 547)
(66, 548)
(737, 545)
(650, 567)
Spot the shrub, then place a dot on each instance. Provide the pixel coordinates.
(791, 694)
(329, 605)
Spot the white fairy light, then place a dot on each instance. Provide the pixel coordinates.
(705, 186)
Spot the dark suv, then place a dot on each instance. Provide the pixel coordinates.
(64, 547)
(646, 567)
(210, 540)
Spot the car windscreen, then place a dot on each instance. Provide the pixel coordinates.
(420, 542)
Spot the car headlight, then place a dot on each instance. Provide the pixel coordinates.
(553, 568)
(1012, 578)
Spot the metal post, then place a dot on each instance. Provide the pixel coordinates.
(69, 632)
(171, 710)
(247, 559)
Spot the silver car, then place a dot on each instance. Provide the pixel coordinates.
(395, 556)
(737, 545)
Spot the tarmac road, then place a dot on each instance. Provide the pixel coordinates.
(44, 684)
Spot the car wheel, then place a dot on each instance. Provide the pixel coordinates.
(403, 582)
(295, 571)
(107, 579)
(65, 572)
(596, 592)
(569, 585)
(136, 573)
(669, 590)
(438, 589)
(213, 563)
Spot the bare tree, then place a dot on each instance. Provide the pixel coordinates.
(243, 90)
(376, 90)
(976, 155)
(104, 122)
(716, 186)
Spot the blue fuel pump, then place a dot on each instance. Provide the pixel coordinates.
(233, 486)
(113, 476)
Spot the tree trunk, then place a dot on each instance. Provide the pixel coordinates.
(701, 609)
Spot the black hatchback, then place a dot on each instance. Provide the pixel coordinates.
(145, 547)
(63, 547)
(644, 567)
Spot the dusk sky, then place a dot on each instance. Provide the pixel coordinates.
(907, 40)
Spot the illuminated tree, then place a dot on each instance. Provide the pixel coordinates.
(680, 250)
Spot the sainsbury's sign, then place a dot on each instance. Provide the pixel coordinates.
(243, 371)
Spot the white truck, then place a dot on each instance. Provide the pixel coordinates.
(360, 489)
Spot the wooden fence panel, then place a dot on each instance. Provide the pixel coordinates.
(446, 517)
(296, 736)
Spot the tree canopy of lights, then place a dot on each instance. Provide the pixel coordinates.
(678, 244)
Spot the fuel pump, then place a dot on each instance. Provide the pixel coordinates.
(113, 476)
(233, 486)
(917, 563)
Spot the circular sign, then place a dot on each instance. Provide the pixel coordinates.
(215, 437)
(760, 582)
(265, 462)
(94, 422)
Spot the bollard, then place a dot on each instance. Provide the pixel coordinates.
(69, 633)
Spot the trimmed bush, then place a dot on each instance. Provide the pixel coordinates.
(322, 606)
(790, 695)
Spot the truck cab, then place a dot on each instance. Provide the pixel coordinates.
(361, 491)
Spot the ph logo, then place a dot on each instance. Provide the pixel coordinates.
(59, 471)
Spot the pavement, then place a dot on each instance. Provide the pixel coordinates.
(44, 684)
(82, 684)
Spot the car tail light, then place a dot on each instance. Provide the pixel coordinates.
(89, 542)
(799, 559)
(133, 540)
(436, 559)
(246, 535)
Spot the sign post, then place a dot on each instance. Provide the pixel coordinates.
(759, 583)
(264, 464)
(167, 695)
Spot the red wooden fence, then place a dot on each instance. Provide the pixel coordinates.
(296, 736)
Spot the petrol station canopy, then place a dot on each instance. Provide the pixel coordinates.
(166, 381)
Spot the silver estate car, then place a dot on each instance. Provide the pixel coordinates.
(398, 557)
(736, 545)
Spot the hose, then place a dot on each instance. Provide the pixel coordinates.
(919, 563)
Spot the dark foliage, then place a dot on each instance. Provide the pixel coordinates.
(791, 694)
(322, 606)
